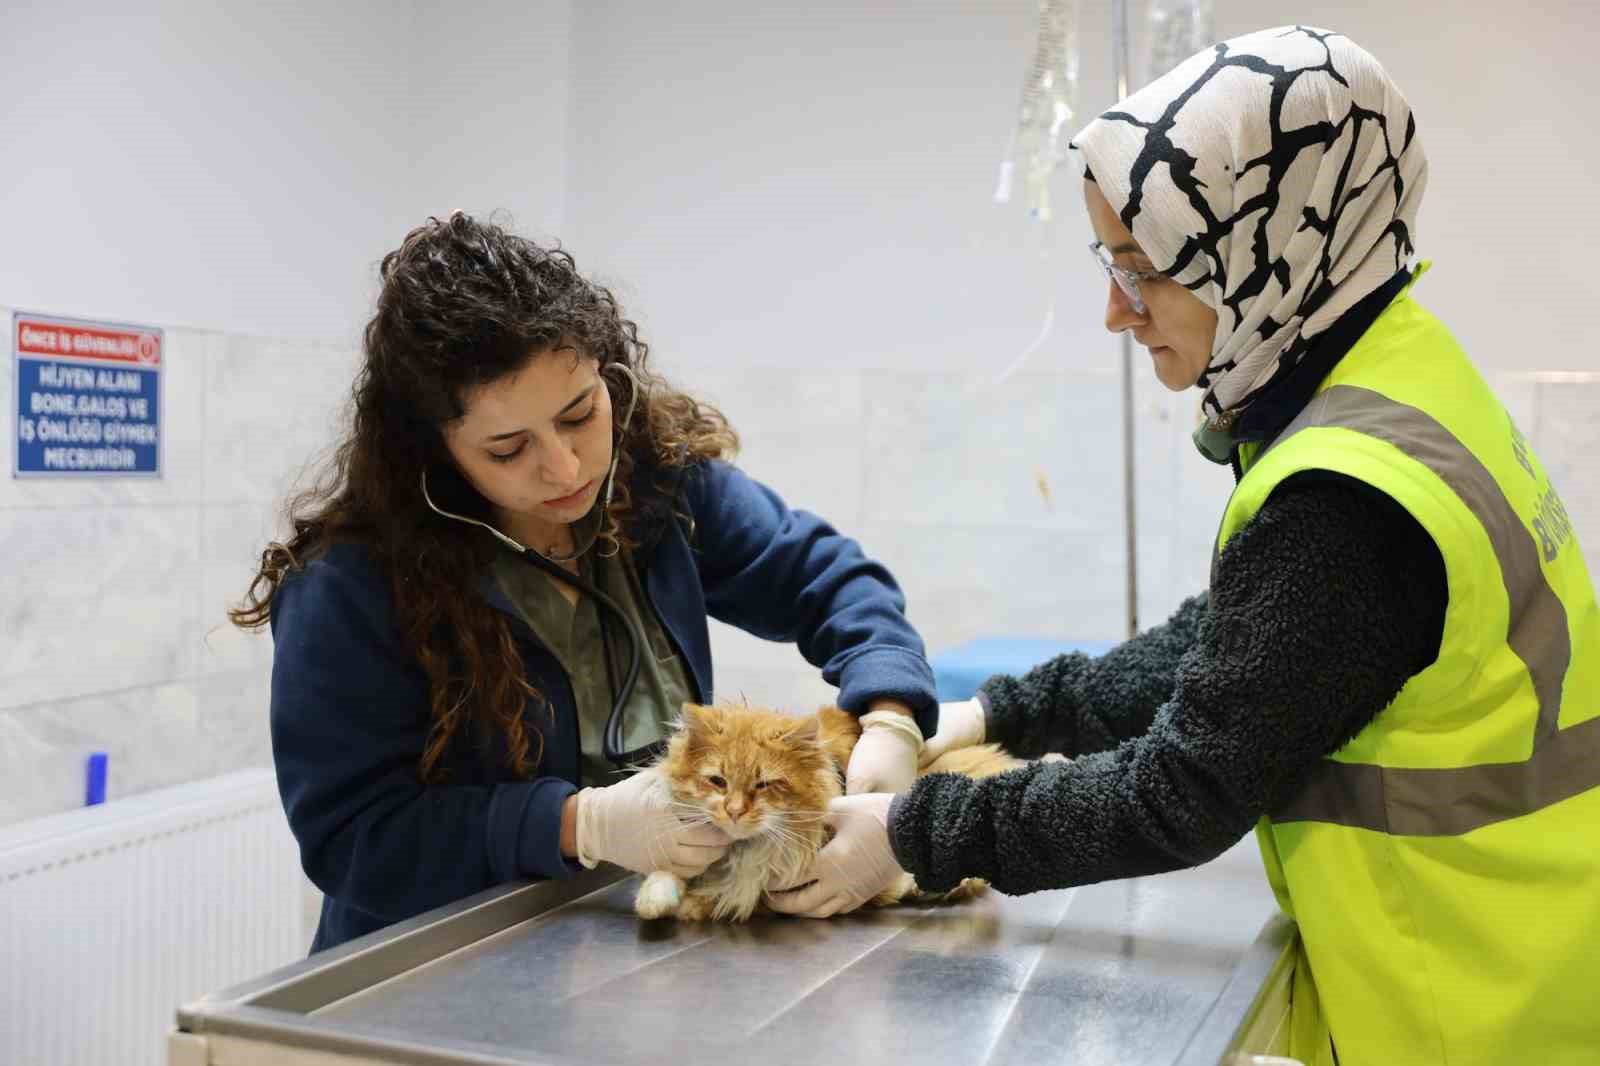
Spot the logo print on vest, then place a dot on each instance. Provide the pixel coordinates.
(1551, 523)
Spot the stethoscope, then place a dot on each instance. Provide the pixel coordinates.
(613, 737)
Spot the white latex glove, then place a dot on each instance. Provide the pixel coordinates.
(632, 823)
(856, 865)
(885, 758)
(961, 725)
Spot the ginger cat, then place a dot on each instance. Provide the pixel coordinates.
(765, 778)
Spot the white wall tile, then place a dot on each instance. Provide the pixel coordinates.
(1204, 489)
(967, 581)
(734, 646)
(795, 691)
(1519, 392)
(764, 672)
(232, 722)
(1157, 594)
(1160, 434)
(1567, 443)
(179, 414)
(272, 408)
(1181, 496)
(154, 736)
(98, 599)
(1172, 568)
(41, 774)
(961, 449)
(149, 734)
(231, 540)
(801, 432)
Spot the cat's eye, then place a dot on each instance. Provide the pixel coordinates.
(716, 782)
(761, 785)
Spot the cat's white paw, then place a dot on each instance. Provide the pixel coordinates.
(659, 896)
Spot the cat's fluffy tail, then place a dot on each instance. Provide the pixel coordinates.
(982, 760)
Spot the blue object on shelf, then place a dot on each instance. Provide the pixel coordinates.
(95, 793)
(958, 671)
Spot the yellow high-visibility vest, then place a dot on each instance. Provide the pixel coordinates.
(1444, 866)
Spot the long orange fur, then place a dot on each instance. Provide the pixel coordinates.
(766, 779)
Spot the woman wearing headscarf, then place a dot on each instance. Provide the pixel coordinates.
(1395, 673)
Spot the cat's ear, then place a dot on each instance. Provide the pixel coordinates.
(701, 722)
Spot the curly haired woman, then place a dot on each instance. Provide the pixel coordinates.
(439, 697)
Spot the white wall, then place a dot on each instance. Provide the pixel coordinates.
(242, 167)
(488, 115)
(1504, 111)
(804, 184)
(795, 203)
(225, 166)
(115, 590)
(794, 200)
(231, 173)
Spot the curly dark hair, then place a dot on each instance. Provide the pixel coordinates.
(464, 303)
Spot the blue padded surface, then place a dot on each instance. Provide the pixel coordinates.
(958, 671)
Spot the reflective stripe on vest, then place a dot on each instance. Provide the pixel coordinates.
(1455, 800)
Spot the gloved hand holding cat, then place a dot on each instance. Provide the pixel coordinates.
(635, 824)
(774, 784)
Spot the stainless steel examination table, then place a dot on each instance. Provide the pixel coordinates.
(1187, 968)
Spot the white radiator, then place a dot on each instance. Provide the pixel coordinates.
(112, 916)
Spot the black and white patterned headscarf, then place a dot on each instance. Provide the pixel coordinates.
(1276, 175)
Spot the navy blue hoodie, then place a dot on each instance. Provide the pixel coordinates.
(350, 706)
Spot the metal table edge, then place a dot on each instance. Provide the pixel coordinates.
(1239, 1001)
(293, 991)
(282, 1029)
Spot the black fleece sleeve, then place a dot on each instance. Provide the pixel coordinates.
(1321, 608)
(1075, 704)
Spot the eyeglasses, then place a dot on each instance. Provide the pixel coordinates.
(1127, 280)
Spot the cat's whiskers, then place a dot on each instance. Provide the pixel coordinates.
(785, 835)
(789, 847)
(784, 821)
(778, 827)
(788, 856)
(806, 821)
(696, 819)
